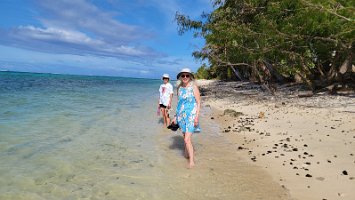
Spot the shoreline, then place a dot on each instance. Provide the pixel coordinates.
(307, 145)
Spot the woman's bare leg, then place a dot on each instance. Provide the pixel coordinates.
(185, 152)
(190, 149)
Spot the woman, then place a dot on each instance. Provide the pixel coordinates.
(188, 110)
(165, 96)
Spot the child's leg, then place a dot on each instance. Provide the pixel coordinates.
(167, 117)
(164, 117)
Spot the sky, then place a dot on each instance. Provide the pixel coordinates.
(130, 38)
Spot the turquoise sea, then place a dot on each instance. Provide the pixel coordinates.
(91, 137)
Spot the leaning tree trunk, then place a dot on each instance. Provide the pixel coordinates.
(273, 72)
(237, 73)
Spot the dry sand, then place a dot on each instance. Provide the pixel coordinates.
(306, 144)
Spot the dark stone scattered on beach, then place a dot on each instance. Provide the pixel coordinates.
(253, 159)
(212, 117)
(294, 149)
(232, 113)
(345, 172)
(308, 175)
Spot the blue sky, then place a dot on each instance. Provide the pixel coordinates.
(133, 38)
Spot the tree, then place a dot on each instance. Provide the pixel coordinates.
(270, 40)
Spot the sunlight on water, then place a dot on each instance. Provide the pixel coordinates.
(79, 137)
(73, 136)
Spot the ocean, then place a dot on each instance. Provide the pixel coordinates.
(62, 134)
(94, 137)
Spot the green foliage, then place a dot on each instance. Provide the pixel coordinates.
(294, 36)
(203, 72)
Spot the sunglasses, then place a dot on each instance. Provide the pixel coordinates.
(185, 75)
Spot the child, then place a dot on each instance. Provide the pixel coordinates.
(166, 95)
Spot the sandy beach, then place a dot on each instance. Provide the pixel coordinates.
(307, 145)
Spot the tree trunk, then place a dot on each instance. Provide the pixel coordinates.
(237, 74)
(346, 66)
(273, 72)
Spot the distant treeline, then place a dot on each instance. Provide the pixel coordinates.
(266, 41)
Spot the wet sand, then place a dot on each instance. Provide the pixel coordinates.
(220, 173)
(306, 145)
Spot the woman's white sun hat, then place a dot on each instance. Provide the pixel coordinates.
(185, 70)
(165, 76)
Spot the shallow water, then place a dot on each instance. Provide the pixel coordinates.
(80, 137)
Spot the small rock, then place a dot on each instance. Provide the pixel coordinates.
(232, 113)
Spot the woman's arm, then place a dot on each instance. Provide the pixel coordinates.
(198, 102)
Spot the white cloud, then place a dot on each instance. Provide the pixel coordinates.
(86, 17)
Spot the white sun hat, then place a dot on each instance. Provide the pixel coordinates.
(165, 76)
(185, 70)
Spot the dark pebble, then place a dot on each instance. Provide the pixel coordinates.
(212, 117)
(345, 172)
(308, 175)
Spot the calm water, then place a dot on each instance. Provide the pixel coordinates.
(67, 136)
(80, 137)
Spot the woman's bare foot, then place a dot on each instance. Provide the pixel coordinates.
(191, 165)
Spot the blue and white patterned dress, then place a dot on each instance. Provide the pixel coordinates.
(186, 109)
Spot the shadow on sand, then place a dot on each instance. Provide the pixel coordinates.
(178, 143)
